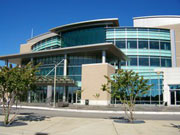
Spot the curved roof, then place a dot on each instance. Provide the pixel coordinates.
(98, 22)
(157, 16)
(41, 37)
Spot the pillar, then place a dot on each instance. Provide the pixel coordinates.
(29, 97)
(7, 62)
(32, 61)
(64, 94)
(49, 93)
(65, 64)
(72, 95)
(103, 56)
(65, 74)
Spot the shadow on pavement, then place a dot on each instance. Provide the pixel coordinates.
(124, 120)
(118, 118)
(128, 122)
(14, 124)
(30, 117)
(175, 126)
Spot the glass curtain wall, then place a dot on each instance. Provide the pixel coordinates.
(83, 36)
(147, 49)
(74, 66)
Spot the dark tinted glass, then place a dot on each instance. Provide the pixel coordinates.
(154, 44)
(165, 45)
(132, 61)
(155, 61)
(143, 61)
(123, 63)
(132, 44)
(143, 44)
(165, 62)
(120, 44)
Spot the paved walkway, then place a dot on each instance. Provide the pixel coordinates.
(110, 111)
(118, 107)
(81, 126)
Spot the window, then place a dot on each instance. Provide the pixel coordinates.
(143, 61)
(154, 61)
(132, 61)
(123, 63)
(165, 45)
(132, 43)
(120, 44)
(166, 62)
(154, 44)
(143, 44)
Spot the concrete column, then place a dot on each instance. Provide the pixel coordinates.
(65, 65)
(64, 94)
(32, 60)
(72, 95)
(103, 56)
(29, 97)
(49, 93)
(65, 74)
(119, 64)
(173, 48)
(7, 62)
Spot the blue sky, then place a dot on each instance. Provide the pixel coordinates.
(18, 17)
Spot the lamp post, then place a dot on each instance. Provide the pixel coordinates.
(55, 69)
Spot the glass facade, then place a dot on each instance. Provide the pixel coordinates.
(83, 36)
(47, 44)
(147, 49)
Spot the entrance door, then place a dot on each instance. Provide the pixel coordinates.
(178, 97)
(172, 97)
(175, 97)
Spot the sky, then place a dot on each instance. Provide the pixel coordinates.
(19, 17)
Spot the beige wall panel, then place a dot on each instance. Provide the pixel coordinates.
(93, 78)
(25, 48)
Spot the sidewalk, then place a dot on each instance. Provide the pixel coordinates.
(155, 110)
(118, 107)
(81, 126)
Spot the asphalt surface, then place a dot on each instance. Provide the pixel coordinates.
(50, 113)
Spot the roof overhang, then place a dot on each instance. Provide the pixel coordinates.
(113, 22)
(108, 47)
(157, 16)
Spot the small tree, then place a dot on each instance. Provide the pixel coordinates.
(14, 83)
(127, 86)
(97, 95)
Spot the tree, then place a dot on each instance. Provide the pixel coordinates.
(14, 83)
(127, 85)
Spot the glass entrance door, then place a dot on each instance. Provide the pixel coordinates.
(175, 94)
(175, 97)
(172, 97)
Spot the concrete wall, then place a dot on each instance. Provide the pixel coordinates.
(171, 76)
(26, 48)
(155, 21)
(92, 80)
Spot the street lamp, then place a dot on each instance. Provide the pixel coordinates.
(55, 69)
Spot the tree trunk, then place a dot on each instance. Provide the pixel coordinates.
(6, 118)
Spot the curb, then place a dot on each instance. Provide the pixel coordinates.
(95, 111)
